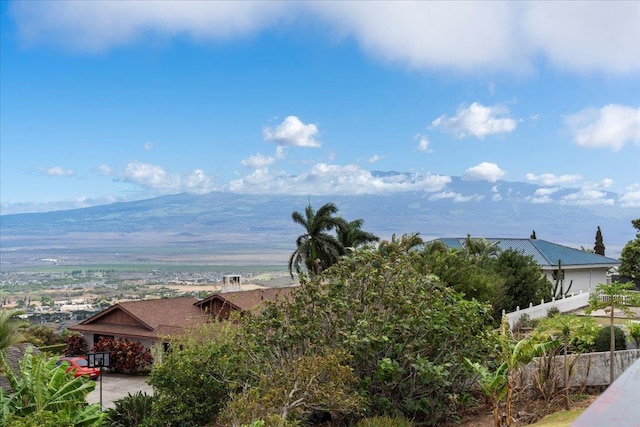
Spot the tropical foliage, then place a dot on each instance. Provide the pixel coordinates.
(611, 297)
(317, 248)
(197, 376)
(44, 394)
(407, 335)
(499, 383)
(130, 411)
(11, 332)
(126, 356)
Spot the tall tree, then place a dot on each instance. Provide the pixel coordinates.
(351, 235)
(611, 297)
(404, 244)
(630, 257)
(599, 246)
(523, 280)
(316, 249)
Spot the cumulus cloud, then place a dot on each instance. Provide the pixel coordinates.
(156, 178)
(148, 146)
(455, 197)
(58, 171)
(631, 197)
(575, 36)
(374, 158)
(258, 161)
(549, 179)
(611, 126)
(325, 178)
(543, 195)
(484, 171)
(476, 120)
(423, 143)
(292, 132)
(591, 193)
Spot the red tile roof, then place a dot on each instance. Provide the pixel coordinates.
(157, 318)
(250, 300)
(149, 318)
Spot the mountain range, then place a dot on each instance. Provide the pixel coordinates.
(259, 229)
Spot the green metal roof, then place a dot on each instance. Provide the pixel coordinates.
(543, 252)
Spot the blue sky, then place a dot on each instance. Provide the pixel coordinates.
(115, 101)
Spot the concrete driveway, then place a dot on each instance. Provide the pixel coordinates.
(117, 386)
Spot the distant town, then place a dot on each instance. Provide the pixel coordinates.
(62, 295)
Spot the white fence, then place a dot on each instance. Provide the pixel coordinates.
(564, 305)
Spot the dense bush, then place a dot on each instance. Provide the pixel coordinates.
(407, 335)
(129, 357)
(196, 377)
(129, 411)
(76, 345)
(40, 335)
(603, 339)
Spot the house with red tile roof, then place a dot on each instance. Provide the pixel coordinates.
(152, 322)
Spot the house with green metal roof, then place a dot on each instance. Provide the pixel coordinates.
(586, 270)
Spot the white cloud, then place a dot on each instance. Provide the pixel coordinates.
(156, 178)
(496, 197)
(484, 171)
(374, 158)
(543, 195)
(612, 126)
(585, 36)
(59, 171)
(631, 197)
(456, 197)
(324, 178)
(148, 146)
(423, 143)
(476, 120)
(549, 179)
(591, 193)
(96, 26)
(258, 161)
(292, 132)
(575, 36)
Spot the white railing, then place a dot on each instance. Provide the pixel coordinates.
(565, 304)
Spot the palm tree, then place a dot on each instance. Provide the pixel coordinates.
(316, 249)
(479, 248)
(11, 329)
(351, 235)
(406, 243)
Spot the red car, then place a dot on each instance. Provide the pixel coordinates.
(80, 367)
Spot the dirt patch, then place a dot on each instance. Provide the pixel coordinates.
(482, 416)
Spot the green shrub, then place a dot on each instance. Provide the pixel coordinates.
(634, 332)
(385, 422)
(129, 411)
(195, 379)
(603, 339)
